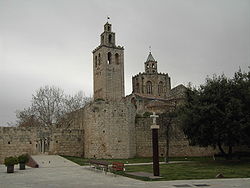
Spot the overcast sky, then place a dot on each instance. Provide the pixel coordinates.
(50, 42)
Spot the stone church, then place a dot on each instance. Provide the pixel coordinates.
(112, 125)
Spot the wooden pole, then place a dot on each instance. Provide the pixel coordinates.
(156, 168)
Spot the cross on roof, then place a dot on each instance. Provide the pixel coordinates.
(154, 116)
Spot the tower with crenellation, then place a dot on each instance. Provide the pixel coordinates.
(108, 67)
(151, 83)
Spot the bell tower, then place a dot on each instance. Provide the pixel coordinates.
(108, 67)
(150, 65)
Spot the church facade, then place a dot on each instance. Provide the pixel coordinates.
(112, 125)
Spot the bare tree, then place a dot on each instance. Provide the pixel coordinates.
(75, 102)
(26, 118)
(49, 104)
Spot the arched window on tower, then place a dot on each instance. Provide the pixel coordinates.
(137, 88)
(109, 57)
(142, 85)
(149, 87)
(133, 101)
(117, 59)
(99, 58)
(110, 38)
(160, 87)
(95, 61)
(102, 40)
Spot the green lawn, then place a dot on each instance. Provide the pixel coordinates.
(84, 161)
(195, 168)
(198, 170)
(78, 160)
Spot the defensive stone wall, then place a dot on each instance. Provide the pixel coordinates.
(15, 141)
(178, 144)
(68, 142)
(109, 130)
(73, 120)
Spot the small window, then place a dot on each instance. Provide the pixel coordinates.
(133, 101)
(99, 58)
(142, 88)
(160, 87)
(102, 40)
(117, 59)
(95, 61)
(108, 28)
(109, 58)
(149, 87)
(110, 38)
(137, 88)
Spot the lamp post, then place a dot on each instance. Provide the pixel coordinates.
(154, 128)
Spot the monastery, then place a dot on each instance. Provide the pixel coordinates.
(112, 125)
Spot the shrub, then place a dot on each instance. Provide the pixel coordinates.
(147, 114)
(99, 99)
(8, 161)
(138, 116)
(23, 158)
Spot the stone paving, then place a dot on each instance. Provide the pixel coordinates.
(45, 161)
(62, 173)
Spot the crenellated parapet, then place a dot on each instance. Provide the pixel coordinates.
(151, 82)
(106, 46)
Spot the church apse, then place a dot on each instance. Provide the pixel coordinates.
(150, 83)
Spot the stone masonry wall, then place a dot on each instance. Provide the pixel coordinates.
(68, 142)
(15, 141)
(178, 144)
(109, 130)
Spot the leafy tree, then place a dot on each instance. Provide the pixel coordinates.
(217, 113)
(167, 120)
(49, 105)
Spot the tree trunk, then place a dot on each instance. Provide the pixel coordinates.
(221, 149)
(167, 141)
(167, 147)
(228, 155)
(230, 152)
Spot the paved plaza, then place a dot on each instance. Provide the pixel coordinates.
(56, 171)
